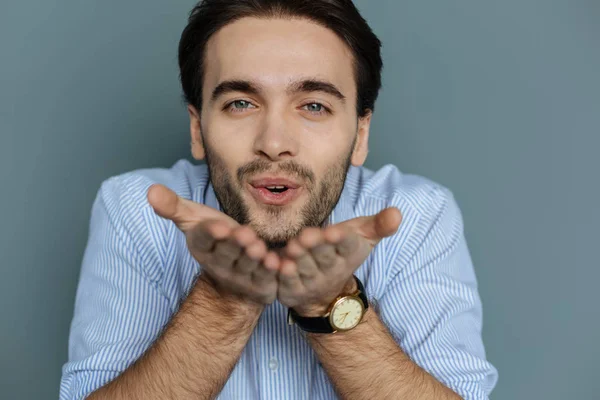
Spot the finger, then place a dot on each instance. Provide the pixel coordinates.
(376, 227)
(289, 278)
(310, 237)
(226, 252)
(306, 265)
(245, 265)
(168, 205)
(334, 234)
(272, 262)
(247, 239)
(387, 222)
(256, 250)
(218, 229)
(346, 242)
(244, 235)
(203, 236)
(265, 272)
(325, 256)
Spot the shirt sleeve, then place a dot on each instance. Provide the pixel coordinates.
(119, 309)
(432, 306)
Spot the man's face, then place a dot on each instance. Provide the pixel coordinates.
(278, 125)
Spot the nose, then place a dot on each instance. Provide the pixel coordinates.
(276, 140)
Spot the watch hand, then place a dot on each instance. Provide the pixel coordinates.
(345, 315)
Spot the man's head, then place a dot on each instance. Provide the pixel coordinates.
(280, 96)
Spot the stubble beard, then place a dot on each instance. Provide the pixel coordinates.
(323, 196)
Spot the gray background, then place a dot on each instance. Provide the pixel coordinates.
(500, 101)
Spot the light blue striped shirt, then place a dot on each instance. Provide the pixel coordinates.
(136, 268)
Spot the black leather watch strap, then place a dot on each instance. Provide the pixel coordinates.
(312, 324)
(322, 324)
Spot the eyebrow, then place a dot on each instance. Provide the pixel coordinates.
(303, 86)
(235, 86)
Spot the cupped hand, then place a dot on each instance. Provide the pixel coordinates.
(232, 255)
(318, 265)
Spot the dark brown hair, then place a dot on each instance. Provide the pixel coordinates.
(341, 16)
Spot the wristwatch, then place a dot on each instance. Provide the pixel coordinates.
(344, 313)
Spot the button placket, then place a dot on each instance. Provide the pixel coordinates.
(273, 364)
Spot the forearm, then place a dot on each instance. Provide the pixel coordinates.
(195, 354)
(366, 363)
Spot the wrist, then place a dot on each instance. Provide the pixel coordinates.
(320, 309)
(366, 328)
(228, 303)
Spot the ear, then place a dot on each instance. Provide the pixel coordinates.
(361, 147)
(196, 133)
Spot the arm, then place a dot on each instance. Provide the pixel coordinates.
(196, 353)
(424, 332)
(432, 307)
(121, 308)
(366, 363)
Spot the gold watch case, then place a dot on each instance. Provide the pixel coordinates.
(346, 313)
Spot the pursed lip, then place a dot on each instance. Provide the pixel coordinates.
(265, 181)
(258, 189)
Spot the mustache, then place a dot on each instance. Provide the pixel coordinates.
(290, 168)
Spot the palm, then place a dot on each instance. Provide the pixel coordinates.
(320, 262)
(231, 254)
(314, 267)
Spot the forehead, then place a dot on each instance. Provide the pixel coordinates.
(274, 52)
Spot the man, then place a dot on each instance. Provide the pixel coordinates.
(281, 269)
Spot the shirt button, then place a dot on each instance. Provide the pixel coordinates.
(273, 364)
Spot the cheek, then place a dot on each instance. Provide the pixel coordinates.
(326, 143)
(321, 128)
(231, 141)
(221, 128)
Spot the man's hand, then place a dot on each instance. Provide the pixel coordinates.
(231, 254)
(318, 265)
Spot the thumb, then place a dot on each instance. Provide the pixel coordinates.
(183, 212)
(169, 205)
(387, 222)
(378, 226)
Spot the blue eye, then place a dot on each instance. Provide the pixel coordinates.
(315, 107)
(240, 104)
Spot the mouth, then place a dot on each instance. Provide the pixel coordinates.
(276, 191)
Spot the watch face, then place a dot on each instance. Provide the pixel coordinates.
(346, 313)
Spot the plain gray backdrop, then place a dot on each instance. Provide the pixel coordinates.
(499, 101)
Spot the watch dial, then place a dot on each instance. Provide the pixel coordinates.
(347, 313)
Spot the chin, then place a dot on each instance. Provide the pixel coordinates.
(276, 231)
(274, 242)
